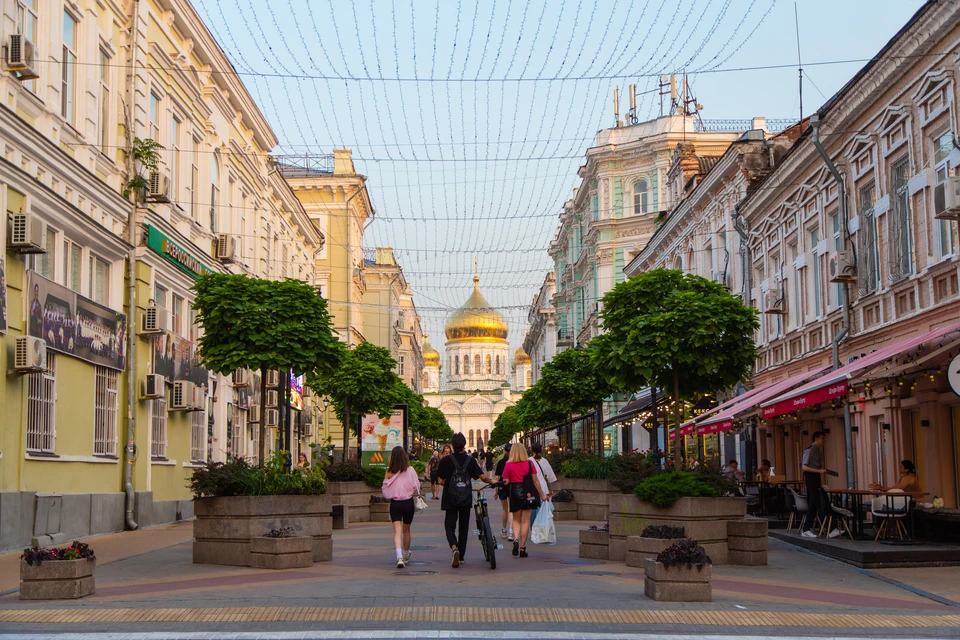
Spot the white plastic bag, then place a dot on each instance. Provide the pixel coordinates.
(543, 531)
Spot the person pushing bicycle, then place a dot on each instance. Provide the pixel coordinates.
(456, 473)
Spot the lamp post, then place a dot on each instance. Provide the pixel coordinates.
(326, 405)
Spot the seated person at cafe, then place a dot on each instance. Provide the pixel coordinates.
(732, 471)
(907, 482)
(764, 471)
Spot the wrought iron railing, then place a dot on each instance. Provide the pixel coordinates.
(306, 164)
(735, 125)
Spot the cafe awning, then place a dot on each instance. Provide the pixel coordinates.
(836, 383)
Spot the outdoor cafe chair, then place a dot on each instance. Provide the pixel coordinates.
(890, 509)
(832, 512)
(800, 508)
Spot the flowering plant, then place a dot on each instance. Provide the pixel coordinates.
(76, 551)
(937, 502)
(684, 553)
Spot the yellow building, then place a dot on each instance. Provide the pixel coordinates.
(216, 204)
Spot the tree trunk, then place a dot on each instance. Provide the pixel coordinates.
(346, 429)
(654, 423)
(677, 457)
(263, 430)
(600, 429)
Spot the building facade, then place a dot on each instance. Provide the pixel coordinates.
(540, 342)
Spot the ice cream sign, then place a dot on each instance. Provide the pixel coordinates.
(378, 437)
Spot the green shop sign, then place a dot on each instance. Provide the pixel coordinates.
(176, 254)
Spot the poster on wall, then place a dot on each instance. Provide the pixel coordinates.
(74, 325)
(296, 392)
(177, 358)
(3, 296)
(378, 436)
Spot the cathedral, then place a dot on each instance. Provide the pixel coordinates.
(480, 380)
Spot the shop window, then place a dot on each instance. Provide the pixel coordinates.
(42, 408)
(105, 412)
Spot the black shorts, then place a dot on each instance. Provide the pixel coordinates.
(434, 477)
(503, 493)
(402, 511)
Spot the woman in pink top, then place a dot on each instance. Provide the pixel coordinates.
(400, 485)
(525, 495)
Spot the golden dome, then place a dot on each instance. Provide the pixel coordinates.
(431, 358)
(520, 357)
(476, 320)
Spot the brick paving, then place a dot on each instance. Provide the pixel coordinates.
(160, 590)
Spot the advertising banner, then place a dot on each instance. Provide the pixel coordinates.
(378, 436)
(296, 392)
(3, 296)
(177, 358)
(74, 325)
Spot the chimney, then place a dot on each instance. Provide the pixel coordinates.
(343, 162)
(760, 123)
(385, 256)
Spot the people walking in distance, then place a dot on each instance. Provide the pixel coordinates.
(813, 472)
(433, 467)
(488, 460)
(457, 471)
(525, 495)
(506, 522)
(545, 475)
(400, 485)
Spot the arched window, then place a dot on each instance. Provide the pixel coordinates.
(471, 437)
(528, 380)
(476, 364)
(214, 192)
(466, 364)
(489, 365)
(678, 264)
(641, 198)
(486, 435)
(498, 365)
(425, 380)
(456, 365)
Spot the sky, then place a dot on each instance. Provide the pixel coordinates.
(470, 118)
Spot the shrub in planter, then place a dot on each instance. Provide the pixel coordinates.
(55, 574)
(344, 472)
(373, 476)
(651, 541)
(633, 468)
(588, 468)
(419, 467)
(663, 489)
(684, 553)
(238, 478)
(556, 457)
(564, 495)
(680, 573)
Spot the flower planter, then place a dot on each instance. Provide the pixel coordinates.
(224, 526)
(594, 544)
(676, 584)
(281, 553)
(703, 519)
(380, 512)
(592, 496)
(57, 579)
(640, 549)
(355, 496)
(747, 542)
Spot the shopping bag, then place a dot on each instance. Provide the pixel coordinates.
(543, 530)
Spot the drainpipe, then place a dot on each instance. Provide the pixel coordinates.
(844, 303)
(741, 228)
(130, 449)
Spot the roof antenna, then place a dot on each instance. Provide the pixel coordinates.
(796, 23)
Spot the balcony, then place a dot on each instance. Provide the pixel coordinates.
(308, 164)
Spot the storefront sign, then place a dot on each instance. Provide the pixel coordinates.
(174, 253)
(953, 375)
(808, 399)
(74, 325)
(715, 427)
(685, 430)
(378, 436)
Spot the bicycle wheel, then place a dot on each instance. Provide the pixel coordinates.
(491, 545)
(481, 533)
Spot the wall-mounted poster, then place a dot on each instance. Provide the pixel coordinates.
(378, 436)
(296, 392)
(77, 326)
(3, 296)
(177, 358)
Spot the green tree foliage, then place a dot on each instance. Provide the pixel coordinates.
(428, 422)
(249, 323)
(506, 426)
(675, 331)
(571, 383)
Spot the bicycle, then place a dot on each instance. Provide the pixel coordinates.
(488, 542)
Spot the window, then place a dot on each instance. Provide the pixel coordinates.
(104, 136)
(158, 428)
(901, 244)
(238, 448)
(177, 310)
(466, 365)
(254, 431)
(27, 25)
(403, 365)
(68, 62)
(943, 145)
(42, 408)
(471, 437)
(498, 365)
(105, 413)
(527, 381)
(797, 309)
(214, 192)
(198, 436)
(160, 296)
(72, 261)
(175, 128)
(641, 198)
(489, 364)
(838, 245)
(154, 117)
(456, 365)
(192, 184)
(45, 263)
(817, 274)
(476, 364)
(99, 280)
(869, 262)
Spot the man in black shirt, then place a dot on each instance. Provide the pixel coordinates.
(488, 460)
(454, 513)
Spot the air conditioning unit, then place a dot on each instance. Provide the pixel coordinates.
(842, 267)
(307, 429)
(307, 393)
(21, 57)
(241, 379)
(271, 418)
(273, 399)
(199, 398)
(183, 397)
(30, 355)
(226, 248)
(946, 199)
(773, 303)
(153, 387)
(28, 233)
(158, 188)
(273, 379)
(154, 320)
(253, 415)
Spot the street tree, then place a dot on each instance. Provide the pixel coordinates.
(505, 427)
(676, 331)
(427, 422)
(249, 323)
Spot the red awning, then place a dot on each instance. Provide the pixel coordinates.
(686, 429)
(836, 383)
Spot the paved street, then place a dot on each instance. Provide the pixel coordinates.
(146, 582)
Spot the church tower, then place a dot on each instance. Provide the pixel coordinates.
(431, 367)
(476, 348)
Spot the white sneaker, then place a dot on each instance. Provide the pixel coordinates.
(407, 556)
(808, 534)
(834, 534)
(401, 563)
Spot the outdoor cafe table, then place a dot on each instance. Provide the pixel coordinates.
(856, 499)
(764, 491)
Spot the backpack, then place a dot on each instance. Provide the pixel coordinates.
(460, 486)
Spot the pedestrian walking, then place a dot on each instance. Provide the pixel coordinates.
(813, 472)
(400, 485)
(457, 471)
(545, 475)
(525, 495)
(488, 460)
(433, 467)
(503, 494)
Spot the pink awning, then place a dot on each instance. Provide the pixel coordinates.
(686, 429)
(836, 383)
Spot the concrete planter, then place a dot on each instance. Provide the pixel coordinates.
(380, 512)
(281, 553)
(224, 527)
(594, 544)
(703, 519)
(564, 511)
(747, 542)
(355, 496)
(677, 584)
(57, 579)
(592, 497)
(640, 549)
